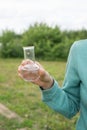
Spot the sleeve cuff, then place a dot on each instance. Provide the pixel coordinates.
(48, 93)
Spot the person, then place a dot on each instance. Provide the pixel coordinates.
(71, 98)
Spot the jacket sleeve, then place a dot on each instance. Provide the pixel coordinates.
(66, 100)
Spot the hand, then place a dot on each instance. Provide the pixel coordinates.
(44, 80)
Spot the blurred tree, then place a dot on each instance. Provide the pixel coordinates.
(8, 39)
(50, 42)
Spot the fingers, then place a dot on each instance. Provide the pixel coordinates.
(20, 75)
(23, 73)
(39, 64)
(19, 68)
(24, 62)
(42, 71)
(27, 61)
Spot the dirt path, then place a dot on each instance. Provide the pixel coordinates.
(8, 113)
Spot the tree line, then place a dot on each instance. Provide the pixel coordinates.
(51, 43)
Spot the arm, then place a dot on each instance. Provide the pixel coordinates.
(66, 100)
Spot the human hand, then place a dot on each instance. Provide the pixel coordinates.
(42, 77)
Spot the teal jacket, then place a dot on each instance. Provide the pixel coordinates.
(71, 98)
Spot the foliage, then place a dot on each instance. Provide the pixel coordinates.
(11, 44)
(50, 43)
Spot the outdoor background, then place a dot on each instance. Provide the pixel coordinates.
(51, 26)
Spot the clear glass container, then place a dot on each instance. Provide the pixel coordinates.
(32, 68)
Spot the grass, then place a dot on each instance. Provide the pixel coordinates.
(25, 99)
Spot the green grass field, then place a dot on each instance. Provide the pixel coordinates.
(25, 99)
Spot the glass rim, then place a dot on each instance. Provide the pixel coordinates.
(28, 47)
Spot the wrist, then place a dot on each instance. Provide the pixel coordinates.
(48, 85)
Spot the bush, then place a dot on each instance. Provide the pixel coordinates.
(50, 42)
